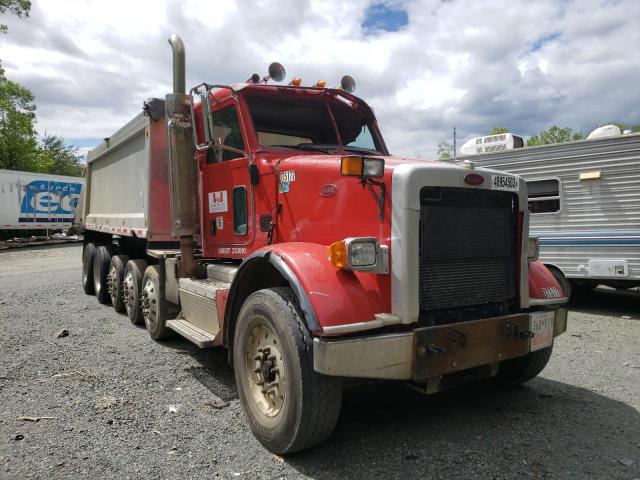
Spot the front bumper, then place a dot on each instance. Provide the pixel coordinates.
(431, 351)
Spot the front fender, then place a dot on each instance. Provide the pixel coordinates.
(329, 297)
(543, 286)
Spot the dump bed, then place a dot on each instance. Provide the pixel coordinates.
(127, 190)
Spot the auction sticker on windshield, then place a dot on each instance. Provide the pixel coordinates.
(505, 182)
(542, 328)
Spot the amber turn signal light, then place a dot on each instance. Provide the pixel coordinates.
(338, 254)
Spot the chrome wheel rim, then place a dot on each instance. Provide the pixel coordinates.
(127, 293)
(265, 370)
(112, 284)
(149, 303)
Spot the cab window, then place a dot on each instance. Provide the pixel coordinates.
(227, 136)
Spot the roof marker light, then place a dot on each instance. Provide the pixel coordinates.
(296, 82)
(321, 84)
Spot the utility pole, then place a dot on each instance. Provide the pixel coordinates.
(454, 144)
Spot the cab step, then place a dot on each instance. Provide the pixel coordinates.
(191, 332)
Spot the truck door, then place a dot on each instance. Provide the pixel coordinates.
(227, 192)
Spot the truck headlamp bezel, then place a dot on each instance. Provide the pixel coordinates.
(342, 255)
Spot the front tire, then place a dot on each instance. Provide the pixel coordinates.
(101, 262)
(288, 405)
(562, 281)
(88, 254)
(520, 370)
(114, 281)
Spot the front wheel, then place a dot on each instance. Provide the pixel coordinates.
(289, 406)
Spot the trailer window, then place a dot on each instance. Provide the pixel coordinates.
(544, 195)
(227, 136)
(240, 210)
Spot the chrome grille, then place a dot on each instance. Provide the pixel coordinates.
(467, 248)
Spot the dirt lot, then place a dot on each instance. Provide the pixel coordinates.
(114, 404)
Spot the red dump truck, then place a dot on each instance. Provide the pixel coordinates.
(272, 221)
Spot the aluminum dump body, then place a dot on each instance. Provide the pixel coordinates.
(127, 190)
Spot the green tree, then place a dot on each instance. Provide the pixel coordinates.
(445, 151)
(554, 134)
(498, 130)
(54, 156)
(18, 142)
(20, 8)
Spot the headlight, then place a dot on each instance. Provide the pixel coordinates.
(364, 254)
(363, 167)
(533, 248)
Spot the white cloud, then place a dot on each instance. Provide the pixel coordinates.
(524, 65)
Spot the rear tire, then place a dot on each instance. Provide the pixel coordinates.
(132, 290)
(520, 370)
(114, 281)
(101, 262)
(88, 253)
(288, 405)
(154, 308)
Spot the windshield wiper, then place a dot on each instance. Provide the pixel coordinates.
(317, 147)
(367, 151)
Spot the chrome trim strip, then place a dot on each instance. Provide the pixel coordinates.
(381, 320)
(533, 302)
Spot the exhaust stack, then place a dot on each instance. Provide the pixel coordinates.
(182, 164)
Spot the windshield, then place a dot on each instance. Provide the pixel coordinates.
(306, 124)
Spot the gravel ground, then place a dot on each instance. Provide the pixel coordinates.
(114, 404)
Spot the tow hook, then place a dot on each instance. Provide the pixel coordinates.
(513, 330)
(435, 352)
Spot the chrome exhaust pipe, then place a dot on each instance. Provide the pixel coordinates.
(179, 72)
(182, 164)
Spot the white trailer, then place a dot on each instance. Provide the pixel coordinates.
(37, 201)
(584, 199)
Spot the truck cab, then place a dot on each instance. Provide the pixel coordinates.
(271, 220)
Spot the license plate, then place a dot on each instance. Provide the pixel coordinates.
(505, 182)
(542, 328)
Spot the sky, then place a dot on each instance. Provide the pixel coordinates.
(424, 66)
